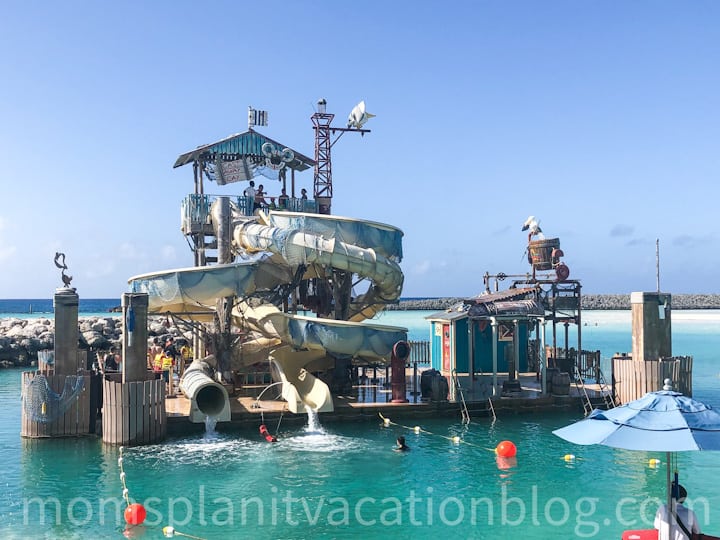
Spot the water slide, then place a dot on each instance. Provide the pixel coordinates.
(272, 254)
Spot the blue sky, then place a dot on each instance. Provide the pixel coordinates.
(601, 118)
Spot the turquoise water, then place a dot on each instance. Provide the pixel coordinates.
(344, 481)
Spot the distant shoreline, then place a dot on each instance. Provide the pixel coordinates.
(589, 302)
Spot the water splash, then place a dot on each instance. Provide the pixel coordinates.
(210, 423)
(313, 425)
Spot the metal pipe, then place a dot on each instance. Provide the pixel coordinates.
(207, 397)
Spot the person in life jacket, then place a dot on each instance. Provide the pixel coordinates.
(166, 365)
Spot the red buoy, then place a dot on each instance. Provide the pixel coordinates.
(135, 514)
(506, 449)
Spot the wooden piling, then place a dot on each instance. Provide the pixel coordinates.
(74, 421)
(134, 412)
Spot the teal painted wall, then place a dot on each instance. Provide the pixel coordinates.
(462, 345)
(436, 346)
(483, 347)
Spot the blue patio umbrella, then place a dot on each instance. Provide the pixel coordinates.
(663, 421)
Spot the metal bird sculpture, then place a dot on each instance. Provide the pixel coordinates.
(58, 257)
(60, 263)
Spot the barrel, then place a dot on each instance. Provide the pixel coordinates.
(561, 384)
(541, 252)
(426, 380)
(549, 374)
(440, 388)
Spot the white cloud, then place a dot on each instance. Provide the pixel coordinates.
(129, 251)
(100, 268)
(7, 252)
(168, 253)
(422, 268)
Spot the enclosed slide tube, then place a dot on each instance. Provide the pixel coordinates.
(365, 248)
(270, 251)
(207, 397)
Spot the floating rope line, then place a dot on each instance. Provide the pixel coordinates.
(169, 532)
(417, 429)
(125, 492)
(135, 512)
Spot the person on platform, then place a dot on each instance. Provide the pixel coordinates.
(170, 349)
(260, 201)
(250, 193)
(676, 527)
(154, 349)
(283, 199)
(110, 363)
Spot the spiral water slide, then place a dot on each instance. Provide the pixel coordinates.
(270, 252)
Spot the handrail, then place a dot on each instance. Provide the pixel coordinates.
(580, 385)
(464, 411)
(605, 390)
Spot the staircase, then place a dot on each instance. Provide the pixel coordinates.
(464, 411)
(580, 385)
(605, 391)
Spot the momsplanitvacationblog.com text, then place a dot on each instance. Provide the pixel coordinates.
(418, 508)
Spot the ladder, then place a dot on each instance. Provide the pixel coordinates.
(580, 385)
(606, 391)
(464, 411)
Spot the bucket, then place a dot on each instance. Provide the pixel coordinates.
(561, 384)
(541, 252)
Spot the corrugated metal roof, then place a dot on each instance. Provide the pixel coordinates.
(510, 303)
(238, 146)
(502, 296)
(446, 316)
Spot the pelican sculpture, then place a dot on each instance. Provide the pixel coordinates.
(532, 225)
(358, 116)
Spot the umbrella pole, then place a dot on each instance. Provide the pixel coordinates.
(669, 489)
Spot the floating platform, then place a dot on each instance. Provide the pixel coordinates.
(367, 400)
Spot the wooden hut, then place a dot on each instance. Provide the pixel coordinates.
(475, 341)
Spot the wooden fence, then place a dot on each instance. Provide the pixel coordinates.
(73, 421)
(633, 379)
(134, 412)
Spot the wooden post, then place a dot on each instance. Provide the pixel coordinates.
(135, 313)
(66, 303)
(651, 326)
(61, 418)
(134, 412)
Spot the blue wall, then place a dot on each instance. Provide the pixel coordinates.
(460, 347)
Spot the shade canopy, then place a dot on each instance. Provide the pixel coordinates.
(664, 421)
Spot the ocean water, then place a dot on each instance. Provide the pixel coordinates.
(344, 480)
(36, 307)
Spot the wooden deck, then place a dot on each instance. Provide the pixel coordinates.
(367, 400)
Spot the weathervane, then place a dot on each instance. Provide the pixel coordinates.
(60, 263)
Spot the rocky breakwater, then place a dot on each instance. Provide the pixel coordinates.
(22, 339)
(589, 301)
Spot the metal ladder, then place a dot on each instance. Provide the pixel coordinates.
(605, 391)
(580, 385)
(464, 411)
